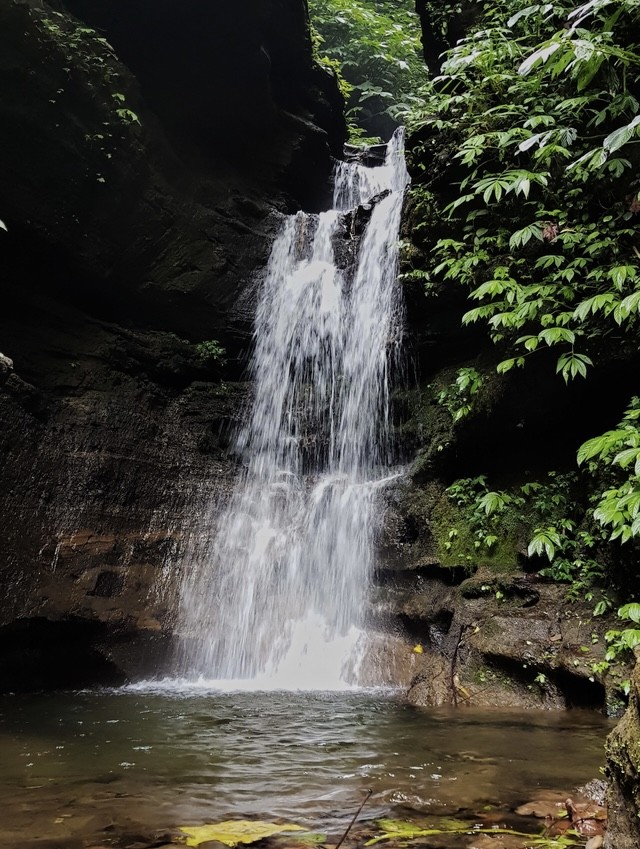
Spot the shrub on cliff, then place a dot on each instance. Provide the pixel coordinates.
(526, 155)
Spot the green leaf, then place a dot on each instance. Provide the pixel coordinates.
(521, 237)
(529, 342)
(492, 502)
(630, 611)
(544, 541)
(599, 445)
(627, 457)
(538, 57)
(593, 305)
(554, 335)
(573, 365)
(451, 208)
(506, 365)
(523, 13)
(618, 138)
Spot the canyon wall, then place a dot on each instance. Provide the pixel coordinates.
(148, 153)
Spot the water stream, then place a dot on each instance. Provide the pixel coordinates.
(279, 597)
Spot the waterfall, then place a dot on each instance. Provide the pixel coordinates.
(279, 599)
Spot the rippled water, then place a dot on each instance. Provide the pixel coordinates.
(74, 765)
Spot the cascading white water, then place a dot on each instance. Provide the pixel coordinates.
(279, 599)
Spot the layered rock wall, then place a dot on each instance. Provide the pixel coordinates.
(148, 150)
(623, 769)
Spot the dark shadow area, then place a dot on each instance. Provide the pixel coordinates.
(37, 654)
(580, 692)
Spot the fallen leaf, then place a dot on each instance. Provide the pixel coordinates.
(232, 832)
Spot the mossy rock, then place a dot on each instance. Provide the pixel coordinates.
(457, 544)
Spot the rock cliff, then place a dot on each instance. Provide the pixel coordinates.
(623, 767)
(148, 150)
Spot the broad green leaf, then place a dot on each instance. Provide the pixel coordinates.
(506, 365)
(451, 208)
(521, 237)
(631, 303)
(627, 457)
(523, 13)
(630, 611)
(620, 137)
(593, 305)
(529, 342)
(538, 57)
(491, 502)
(554, 335)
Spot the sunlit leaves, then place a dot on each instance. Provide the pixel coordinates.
(618, 507)
(554, 335)
(630, 611)
(507, 365)
(492, 502)
(544, 541)
(618, 138)
(521, 237)
(378, 48)
(538, 9)
(458, 397)
(539, 57)
(597, 303)
(517, 181)
(546, 121)
(573, 365)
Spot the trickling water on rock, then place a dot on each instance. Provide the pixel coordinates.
(279, 598)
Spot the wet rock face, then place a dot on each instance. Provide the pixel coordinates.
(505, 640)
(216, 66)
(145, 168)
(623, 768)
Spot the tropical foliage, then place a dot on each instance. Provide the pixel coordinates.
(377, 48)
(525, 157)
(526, 154)
(541, 114)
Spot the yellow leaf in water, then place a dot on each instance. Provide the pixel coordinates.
(232, 832)
(418, 649)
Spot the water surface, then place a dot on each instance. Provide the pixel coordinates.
(86, 765)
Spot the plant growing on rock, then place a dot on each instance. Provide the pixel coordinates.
(458, 397)
(210, 351)
(525, 155)
(540, 111)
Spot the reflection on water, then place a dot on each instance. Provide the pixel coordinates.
(73, 764)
